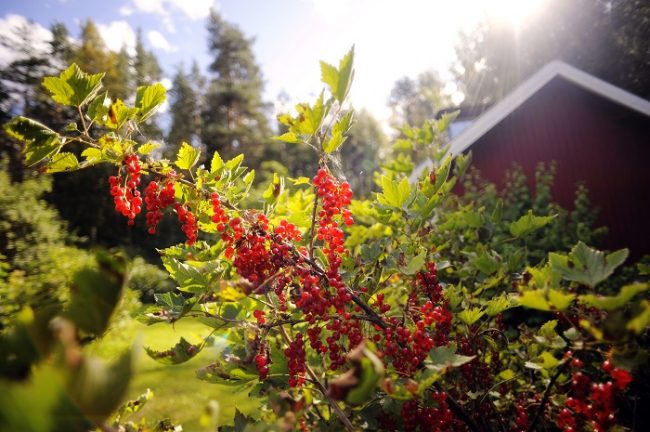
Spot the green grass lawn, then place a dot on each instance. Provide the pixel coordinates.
(178, 394)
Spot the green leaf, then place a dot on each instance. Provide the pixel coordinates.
(187, 157)
(445, 357)
(345, 75)
(394, 194)
(149, 99)
(274, 189)
(529, 223)
(486, 263)
(547, 335)
(179, 353)
(62, 162)
(339, 80)
(470, 316)
(148, 147)
(40, 141)
(614, 302)
(119, 114)
(73, 87)
(586, 265)
(546, 300)
(98, 108)
(329, 77)
(189, 278)
(339, 130)
(640, 323)
(96, 293)
(289, 137)
(415, 264)
(498, 304)
(217, 163)
(92, 155)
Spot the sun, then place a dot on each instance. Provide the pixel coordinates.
(513, 12)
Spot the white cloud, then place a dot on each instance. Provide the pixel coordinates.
(159, 41)
(193, 9)
(126, 11)
(118, 34)
(12, 27)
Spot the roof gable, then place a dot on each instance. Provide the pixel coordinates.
(532, 85)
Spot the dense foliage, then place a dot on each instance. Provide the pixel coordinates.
(411, 310)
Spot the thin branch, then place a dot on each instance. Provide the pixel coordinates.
(459, 411)
(339, 413)
(547, 394)
(313, 225)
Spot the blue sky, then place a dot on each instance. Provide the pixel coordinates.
(392, 38)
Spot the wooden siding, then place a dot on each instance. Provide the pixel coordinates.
(592, 140)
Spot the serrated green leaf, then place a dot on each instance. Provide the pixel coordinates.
(329, 77)
(470, 316)
(217, 163)
(529, 223)
(40, 141)
(179, 353)
(415, 264)
(148, 147)
(546, 335)
(546, 300)
(187, 157)
(149, 99)
(289, 137)
(96, 293)
(92, 155)
(235, 162)
(274, 189)
(394, 194)
(626, 294)
(119, 114)
(497, 305)
(189, 278)
(345, 75)
(445, 357)
(62, 162)
(640, 322)
(98, 108)
(73, 87)
(586, 265)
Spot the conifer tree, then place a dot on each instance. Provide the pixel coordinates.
(184, 109)
(233, 116)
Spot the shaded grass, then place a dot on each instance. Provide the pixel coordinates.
(178, 394)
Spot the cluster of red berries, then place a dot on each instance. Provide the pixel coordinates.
(260, 254)
(408, 348)
(127, 198)
(219, 216)
(592, 405)
(295, 353)
(436, 418)
(157, 198)
(261, 363)
(188, 223)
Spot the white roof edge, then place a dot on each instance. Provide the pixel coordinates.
(528, 88)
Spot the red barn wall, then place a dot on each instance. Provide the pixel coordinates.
(592, 140)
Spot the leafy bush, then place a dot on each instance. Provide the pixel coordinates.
(412, 310)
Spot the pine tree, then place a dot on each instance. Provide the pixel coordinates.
(93, 56)
(146, 71)
(184, 109)
(233, 116)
